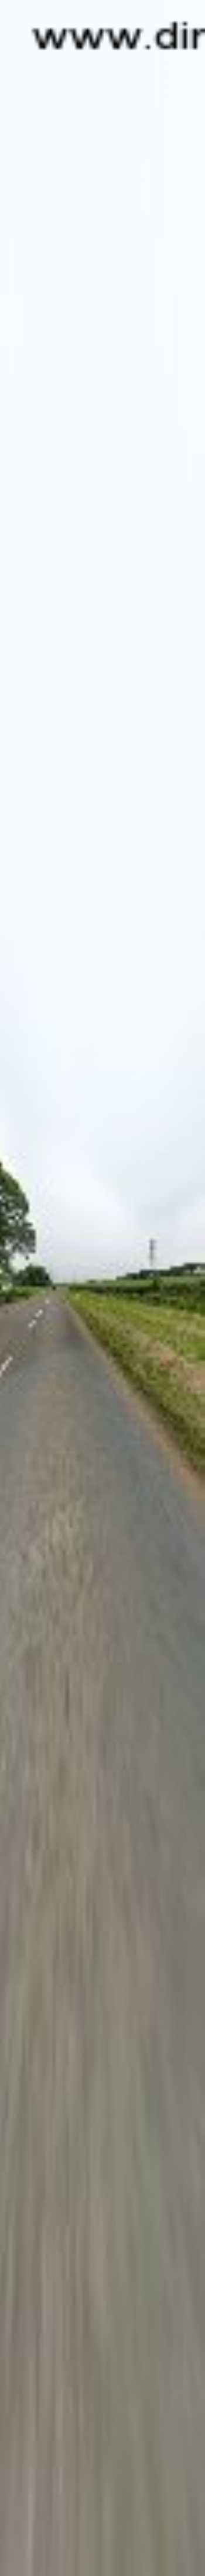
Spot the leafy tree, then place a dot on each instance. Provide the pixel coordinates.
(36, 1276)
(16, 1232)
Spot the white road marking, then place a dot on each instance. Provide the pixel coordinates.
(34, 1319)
(6, 1364)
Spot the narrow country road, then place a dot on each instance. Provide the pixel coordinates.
(102, 1971)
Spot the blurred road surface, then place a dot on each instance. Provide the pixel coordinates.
(102, 1972)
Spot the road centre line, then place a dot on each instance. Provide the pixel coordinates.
(34, 1319)
(5, 1364)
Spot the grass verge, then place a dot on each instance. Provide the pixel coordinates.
(163, 1352)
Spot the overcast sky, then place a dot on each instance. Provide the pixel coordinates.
(102, 644)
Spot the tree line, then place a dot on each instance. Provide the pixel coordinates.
(17, 1235)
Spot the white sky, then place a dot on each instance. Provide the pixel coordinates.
(102, 636)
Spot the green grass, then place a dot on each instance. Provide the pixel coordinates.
(161, 1347)
(10, 1293)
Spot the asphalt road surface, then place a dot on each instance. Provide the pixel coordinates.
(102, 1972)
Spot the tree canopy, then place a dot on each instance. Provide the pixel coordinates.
(16, 1232)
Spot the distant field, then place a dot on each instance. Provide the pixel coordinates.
(161, 1347)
